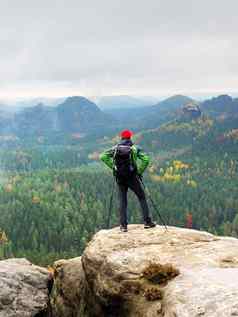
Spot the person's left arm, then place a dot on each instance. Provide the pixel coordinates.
(107, 157)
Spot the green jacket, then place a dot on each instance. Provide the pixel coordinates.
(140, 159)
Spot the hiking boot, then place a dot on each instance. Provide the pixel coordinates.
(149, 224)
(123, 228)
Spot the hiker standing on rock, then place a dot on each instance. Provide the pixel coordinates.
(122, 159)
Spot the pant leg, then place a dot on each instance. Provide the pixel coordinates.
(135, 185)
(122, 194)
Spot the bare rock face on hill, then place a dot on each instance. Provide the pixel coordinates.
(182, 272)
(23, 289)
(192, 111)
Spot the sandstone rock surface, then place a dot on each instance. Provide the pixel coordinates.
(67, 298)
(23, 289)
(182, 272)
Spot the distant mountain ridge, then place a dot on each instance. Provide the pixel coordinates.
(78, 114)
(221, 104)
(213, 126)
(151, 116)
(36, 120)
(173, 103)
(163, 111)
(75, 114)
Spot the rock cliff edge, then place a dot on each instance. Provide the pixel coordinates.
(181, 272)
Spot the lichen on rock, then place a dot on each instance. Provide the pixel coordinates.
(158, 273)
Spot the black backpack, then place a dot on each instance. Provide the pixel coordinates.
(123, 165)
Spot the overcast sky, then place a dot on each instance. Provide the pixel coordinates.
(104, 47)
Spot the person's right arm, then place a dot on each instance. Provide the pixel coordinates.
(144, 161)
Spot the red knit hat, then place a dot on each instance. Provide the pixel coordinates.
(126, 134)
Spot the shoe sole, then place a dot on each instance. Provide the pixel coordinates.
(149, 227)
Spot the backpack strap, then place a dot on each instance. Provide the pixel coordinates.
(113, 158)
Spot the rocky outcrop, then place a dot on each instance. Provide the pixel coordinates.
(174, 273)
(23, 289)
(181, 272)
(192, 111)
(69, 293)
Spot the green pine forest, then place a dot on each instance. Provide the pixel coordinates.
(53, 198)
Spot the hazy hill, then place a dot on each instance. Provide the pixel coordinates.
(34, 120)
(74, 115)
(124, 102)
(6, 111)
(222, 104)
(79, 114)
(6, 119)
(215, 130)
(22, 103)
(150, 116)
(164, 111)
(172, 103)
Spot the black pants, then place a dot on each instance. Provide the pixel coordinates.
(135, 185)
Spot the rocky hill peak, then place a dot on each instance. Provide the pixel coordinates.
(75, 102)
